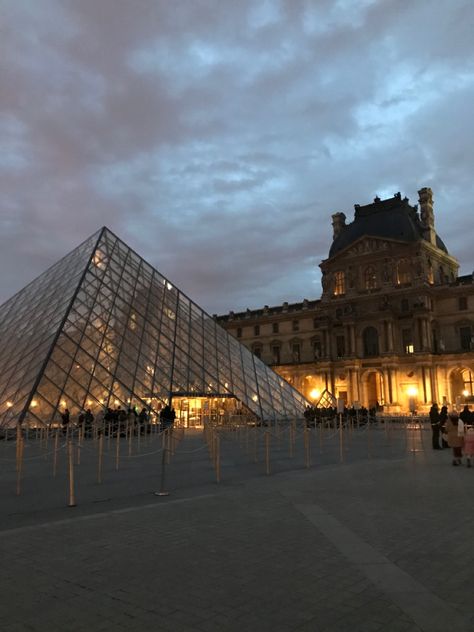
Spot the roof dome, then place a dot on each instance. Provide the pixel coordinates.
(393, 218)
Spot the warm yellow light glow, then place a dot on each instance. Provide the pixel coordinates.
(255, 398)
(101, 401)
(34, 403)
(412, 391)
(89, 402)
(314, 393)
(63, 402)
(9, 404)
(117, 402)
(465, 393)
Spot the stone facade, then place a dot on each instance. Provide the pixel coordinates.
(394, 324)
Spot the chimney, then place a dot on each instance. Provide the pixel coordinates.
(338, 224)
(425, 198)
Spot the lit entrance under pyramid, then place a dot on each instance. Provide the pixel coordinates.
(102, 328)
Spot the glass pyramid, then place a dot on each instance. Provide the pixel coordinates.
(103, 328)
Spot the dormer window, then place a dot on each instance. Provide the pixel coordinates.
(339, 283)
(370, 278)
(403, 272)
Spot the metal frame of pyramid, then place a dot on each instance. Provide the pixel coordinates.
(326, 400)
(102, 326)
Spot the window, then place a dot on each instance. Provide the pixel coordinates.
(258, 351)
(430, 272)
(403, 272)
(276, 354)
(239, 332)
(370, 337)
(256, 330)
(315, 323)
(317, 348)
(462, 302)
(340, 346)
(339, 283)
(296, 351)
(405, 305)
(296, 325)
(442, 276)
(465, 338)
(370, 278)
(467, 382)
(275, 328)
(407, 341)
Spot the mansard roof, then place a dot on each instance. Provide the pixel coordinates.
(393, 218)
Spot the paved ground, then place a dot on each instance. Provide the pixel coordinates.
(379, 543)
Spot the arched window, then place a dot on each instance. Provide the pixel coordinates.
(370, 277)
(403, 272)
(370, 337)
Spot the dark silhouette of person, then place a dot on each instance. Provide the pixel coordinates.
(443, 418)
(435, 426)
(66, 418)
(88, 421)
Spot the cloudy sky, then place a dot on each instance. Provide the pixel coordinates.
(217, 137)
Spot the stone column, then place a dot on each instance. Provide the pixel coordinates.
(390, 386)
(394, 376)
(385, 385)
(434, 385)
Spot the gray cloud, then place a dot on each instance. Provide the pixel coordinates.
(217, 137)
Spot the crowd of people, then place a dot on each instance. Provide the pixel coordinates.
(450, 430)
(118, 419)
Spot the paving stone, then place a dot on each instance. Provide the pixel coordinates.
(240, 555)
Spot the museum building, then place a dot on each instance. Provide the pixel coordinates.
(394, 325)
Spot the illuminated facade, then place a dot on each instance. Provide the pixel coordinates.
(103, 328)
(394, 322)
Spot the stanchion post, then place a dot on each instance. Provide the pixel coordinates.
(267, 452)
(19, 465)
(341, 440)
(55, 453)
(99, 466)
(307, 458)
(218, 458)
(70, 458)
(79, 443)
(117, 447)
(163, 491)
(130, 435)
(18, 445)
(369, 437)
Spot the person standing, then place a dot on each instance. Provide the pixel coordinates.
(66, 418)
(89, 420)
(469, 445)
(443, 418)
(455, 441)
(435, 426)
